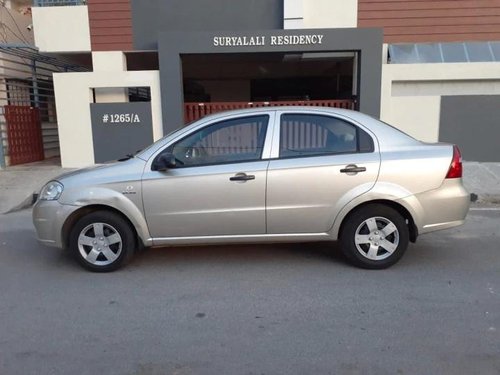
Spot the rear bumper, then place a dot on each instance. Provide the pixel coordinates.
(442, 208)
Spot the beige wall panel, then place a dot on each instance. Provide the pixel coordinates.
(411, 93)
(61, 28)
(416, 115)
(73, 98)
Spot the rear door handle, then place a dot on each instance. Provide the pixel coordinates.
(353, 168)
(242, 177)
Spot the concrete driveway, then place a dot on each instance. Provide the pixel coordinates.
(280, 309)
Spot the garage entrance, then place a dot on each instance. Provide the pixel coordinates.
(268, 67)
(217, 82)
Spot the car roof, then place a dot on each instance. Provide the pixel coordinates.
(370, 122)
(340, 111)
(387, 136)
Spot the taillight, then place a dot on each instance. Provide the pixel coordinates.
(455, 170)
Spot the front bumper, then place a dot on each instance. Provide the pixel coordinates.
(48, 219)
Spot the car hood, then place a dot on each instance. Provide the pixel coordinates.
(81, 171)
(128, 170)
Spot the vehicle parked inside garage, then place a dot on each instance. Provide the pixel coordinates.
(283, 174)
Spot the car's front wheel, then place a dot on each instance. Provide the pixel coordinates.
(102, 241)
(374, 236)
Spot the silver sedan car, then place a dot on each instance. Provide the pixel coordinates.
(286, 174)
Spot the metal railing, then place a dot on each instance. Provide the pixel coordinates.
(194, 111)
(56, 3)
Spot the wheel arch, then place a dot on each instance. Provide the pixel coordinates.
(402, 210)
(85, 210)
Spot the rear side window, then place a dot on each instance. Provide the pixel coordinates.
(312, 135)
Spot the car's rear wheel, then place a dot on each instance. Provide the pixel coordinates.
(374, 236)
(102, 241)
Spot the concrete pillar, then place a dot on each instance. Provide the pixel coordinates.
(113, 61)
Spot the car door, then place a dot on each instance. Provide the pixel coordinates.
(218, 184)
(320, 162)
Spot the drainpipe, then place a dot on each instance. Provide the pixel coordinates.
(36, 94)
(2, 155)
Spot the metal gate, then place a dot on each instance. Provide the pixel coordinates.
(195, 111)
(28, 121)
(24, 133)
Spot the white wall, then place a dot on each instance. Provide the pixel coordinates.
(411, 93)
(110, 61)
(73, 98)
(293, 14)
(330, 13)
(314, 14)
(61, 28)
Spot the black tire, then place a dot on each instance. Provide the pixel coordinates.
(111, 224)
(372, 254)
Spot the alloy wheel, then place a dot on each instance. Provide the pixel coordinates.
(100, 244)
(376, 238)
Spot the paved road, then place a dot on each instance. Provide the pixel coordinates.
(280, 309)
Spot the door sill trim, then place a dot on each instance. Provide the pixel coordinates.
(239, 239)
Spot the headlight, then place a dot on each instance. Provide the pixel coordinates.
(51, 192)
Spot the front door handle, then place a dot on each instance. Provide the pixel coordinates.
(242, 177)
(353, 168)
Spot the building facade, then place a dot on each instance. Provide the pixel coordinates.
(431, 68)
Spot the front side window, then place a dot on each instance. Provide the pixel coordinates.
(230, 141)
(314, 135)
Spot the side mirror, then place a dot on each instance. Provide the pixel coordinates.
(164, 162)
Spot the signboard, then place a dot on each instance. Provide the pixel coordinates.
(119, 129)
(272, 40)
